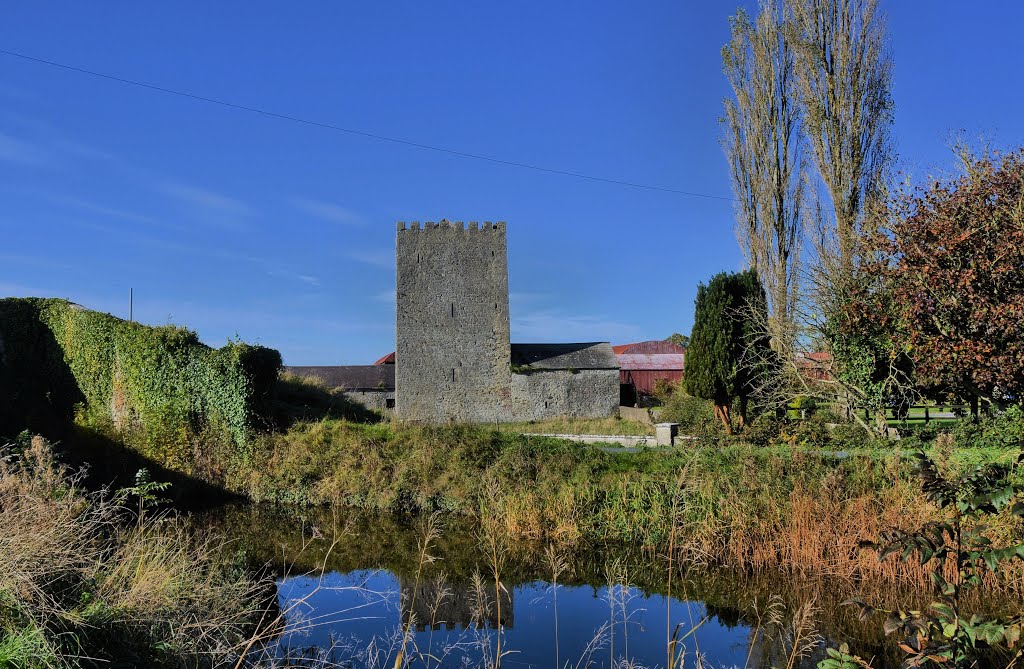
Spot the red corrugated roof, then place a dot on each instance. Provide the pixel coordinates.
(652, 361)
(650, 346)
(389, 359)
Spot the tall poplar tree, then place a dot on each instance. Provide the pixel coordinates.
(844, 74)
(763, 143)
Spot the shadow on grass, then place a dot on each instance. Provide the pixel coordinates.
(110, 463)
(299, 399)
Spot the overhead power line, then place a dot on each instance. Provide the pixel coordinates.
(352, 131)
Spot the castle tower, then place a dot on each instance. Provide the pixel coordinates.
(452, 323)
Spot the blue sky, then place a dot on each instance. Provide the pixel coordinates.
(236, 224)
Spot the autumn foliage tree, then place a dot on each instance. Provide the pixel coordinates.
(955, 269)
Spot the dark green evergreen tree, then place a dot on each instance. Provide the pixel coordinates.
(729, 347)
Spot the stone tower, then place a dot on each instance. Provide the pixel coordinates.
(452, 323)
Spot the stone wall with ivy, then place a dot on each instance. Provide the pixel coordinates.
(61, 361)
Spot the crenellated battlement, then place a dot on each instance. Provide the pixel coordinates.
(445, 224)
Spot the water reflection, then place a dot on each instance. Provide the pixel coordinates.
(593, 630)
(352, 584)
(434, 603)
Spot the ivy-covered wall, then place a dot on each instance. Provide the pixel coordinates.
(56, 356)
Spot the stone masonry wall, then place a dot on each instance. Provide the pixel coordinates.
(585, 393)
(376, 400)
(452, 323)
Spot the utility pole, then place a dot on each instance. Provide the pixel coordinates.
(131, 304)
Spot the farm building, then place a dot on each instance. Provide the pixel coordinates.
(814, 366)
(373, 386)
(453, 360)
(643, 364)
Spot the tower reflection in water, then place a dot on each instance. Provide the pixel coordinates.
(436, 604)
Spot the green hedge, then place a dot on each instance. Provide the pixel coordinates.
(55, 356)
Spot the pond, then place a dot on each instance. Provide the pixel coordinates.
(358, 589)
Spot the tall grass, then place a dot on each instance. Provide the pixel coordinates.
(751, 508)
(612, 425)
(754, 508)
(83, 581)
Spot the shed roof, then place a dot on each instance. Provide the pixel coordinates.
(351, 377)
(652, 361)
(650, 346)
(591, 355)
(388, 359)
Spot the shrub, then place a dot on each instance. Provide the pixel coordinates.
(157, 380)
(850, 435)
(925, 432)
(696, 417)
(1004, 429)
(813, 432)
(764, 430)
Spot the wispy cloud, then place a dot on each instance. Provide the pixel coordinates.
(9, 289)
(213, 207)
(40, 141)
(33, 261)
(521, 298)
(328, 211)
(377, 258)
(86, 151)
(554, 325)
(386, 296)
(111, 212)
(293, 276)
(19, 151)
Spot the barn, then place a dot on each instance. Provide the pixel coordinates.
(643, 364)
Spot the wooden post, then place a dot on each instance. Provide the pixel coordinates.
(926, 416)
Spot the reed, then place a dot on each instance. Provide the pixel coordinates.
(754, 508)
(82, 577)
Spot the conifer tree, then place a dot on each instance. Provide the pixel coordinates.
(729, 344)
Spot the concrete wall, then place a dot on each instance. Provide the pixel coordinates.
(585, 393)
(452, 323)
(638, 414)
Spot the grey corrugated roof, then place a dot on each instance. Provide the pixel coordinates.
(352, 377)
(592, 355)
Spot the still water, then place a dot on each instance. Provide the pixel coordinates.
(593, 627)
(353, 587)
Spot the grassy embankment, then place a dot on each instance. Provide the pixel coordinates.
(84, 581)
(757, 508)
(217, 417)
(789, 506)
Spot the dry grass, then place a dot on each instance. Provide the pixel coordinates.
(80, 577)
(579, 426)
(753, 508)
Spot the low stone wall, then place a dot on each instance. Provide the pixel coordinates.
(562, 393)
(627, 440)
(377, 400)
(638, 414)
(620, 439)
